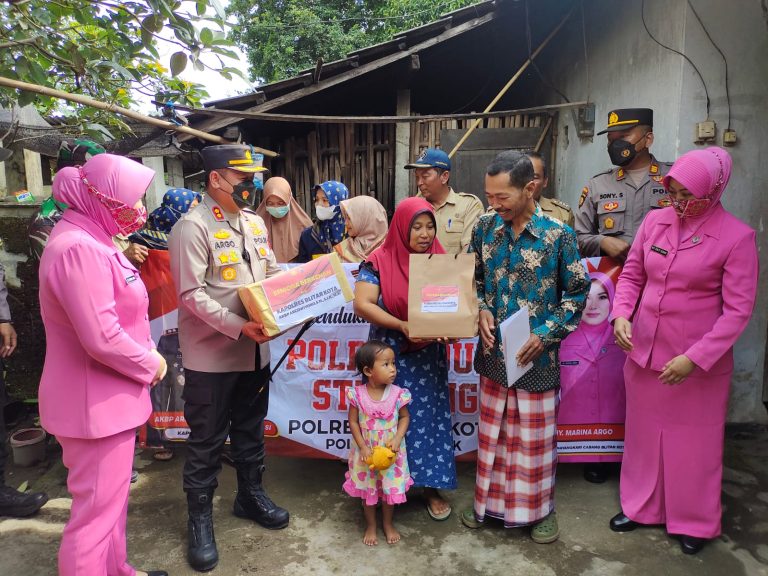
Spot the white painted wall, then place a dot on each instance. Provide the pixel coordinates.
(627, 69)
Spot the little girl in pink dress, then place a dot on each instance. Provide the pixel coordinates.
(378, 416)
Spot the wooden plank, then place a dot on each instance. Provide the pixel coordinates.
(312, 149)
(370, 156)
(494, 138)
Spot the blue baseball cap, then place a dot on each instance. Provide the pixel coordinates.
(431, 158)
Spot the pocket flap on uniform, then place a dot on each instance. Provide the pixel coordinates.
(456, 226)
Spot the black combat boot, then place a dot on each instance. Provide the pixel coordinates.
(252, 501)
(18, 504)
(201, 552)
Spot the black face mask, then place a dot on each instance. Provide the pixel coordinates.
(621, 152)
(244, 193)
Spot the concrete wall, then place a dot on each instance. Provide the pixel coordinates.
(627, 69)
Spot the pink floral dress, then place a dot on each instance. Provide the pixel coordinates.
(378, 424)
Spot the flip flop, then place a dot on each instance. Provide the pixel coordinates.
(163, 455)
(439, 517)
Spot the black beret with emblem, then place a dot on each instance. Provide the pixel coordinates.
(238, 157)
(626, 118)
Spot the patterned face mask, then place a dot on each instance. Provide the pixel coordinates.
(690, 208)
(694, 207)
(128, 219)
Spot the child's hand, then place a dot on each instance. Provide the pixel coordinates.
(394, 445)
(365, 453)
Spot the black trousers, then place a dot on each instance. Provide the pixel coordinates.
(217, 405)
(3, 434)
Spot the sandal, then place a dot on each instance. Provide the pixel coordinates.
(438, 516)
(546, 531)
(469, 519)
(163, 455)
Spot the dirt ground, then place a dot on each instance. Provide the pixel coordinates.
(324, 536)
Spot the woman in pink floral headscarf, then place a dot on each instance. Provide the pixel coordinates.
(684, 297)
(100, 360)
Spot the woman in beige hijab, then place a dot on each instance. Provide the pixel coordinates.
(284, 218)
(366, 228)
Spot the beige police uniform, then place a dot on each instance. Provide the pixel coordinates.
(207, 246)
(557, 210)
(455, 219)
(610, 205)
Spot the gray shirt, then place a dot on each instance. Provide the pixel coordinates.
(611, 205)
(207, 248)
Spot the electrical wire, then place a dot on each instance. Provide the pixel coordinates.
(546, 82)
(727, 95)
(584, 40)
(642, 16)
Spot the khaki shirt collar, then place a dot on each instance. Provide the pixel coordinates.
(451, 199)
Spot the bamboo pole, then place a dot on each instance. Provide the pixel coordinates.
(512, 80)
(80, 99)
(543, 135)
(416, 119)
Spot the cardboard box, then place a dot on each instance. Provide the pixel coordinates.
(297, 295)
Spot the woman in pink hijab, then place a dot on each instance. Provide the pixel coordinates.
(100, 361)
(686, 293)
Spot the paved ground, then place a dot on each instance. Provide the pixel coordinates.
(324, 536)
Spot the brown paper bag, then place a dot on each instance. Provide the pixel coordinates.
(442, 300)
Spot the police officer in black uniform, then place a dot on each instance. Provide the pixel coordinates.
(12, 502)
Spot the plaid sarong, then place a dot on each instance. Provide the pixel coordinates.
(516, 455)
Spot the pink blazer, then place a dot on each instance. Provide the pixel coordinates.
(591, 383)
(98, 361)
(693, 298)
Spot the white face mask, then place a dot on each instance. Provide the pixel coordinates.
(325, 212)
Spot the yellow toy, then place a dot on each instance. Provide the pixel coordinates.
(381, 458)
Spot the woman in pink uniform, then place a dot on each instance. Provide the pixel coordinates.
(684, 297)
(100, 360)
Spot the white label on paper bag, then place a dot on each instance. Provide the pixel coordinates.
(439, 299)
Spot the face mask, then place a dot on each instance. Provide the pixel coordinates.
(622, 152)
(325, 212)
(278, 211)
(690, 208)
(127, 218)
(243, 193)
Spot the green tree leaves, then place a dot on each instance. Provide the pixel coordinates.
(106, 49)
(283, 37)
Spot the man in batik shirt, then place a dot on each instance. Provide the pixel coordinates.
(523, 258)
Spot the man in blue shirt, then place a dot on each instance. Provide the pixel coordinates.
(523, 258)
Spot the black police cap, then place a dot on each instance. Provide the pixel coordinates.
(233, 156)
(626, 118)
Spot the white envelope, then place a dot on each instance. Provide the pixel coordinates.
(515, 332)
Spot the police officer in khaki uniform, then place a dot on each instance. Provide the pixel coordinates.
(214, 249)
(455, 213)
(551, 207)
(613, 204)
